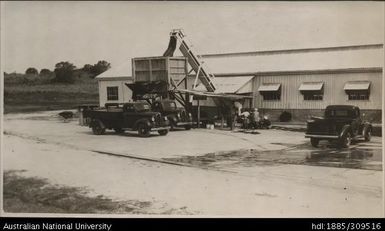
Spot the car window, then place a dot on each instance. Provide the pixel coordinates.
(129, 107)
(142, 107)
(340, 113)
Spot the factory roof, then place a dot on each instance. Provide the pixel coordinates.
(289, 61)
(343, 58)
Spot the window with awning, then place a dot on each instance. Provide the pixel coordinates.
(357, 90)
(270, 91)
(312, 90)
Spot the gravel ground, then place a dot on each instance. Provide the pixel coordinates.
(62, 153)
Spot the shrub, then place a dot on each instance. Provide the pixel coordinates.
(285, 116)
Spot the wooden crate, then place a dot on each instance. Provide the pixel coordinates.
(153, 69)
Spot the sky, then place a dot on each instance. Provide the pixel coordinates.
(41, 34)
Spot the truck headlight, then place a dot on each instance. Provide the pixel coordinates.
(178, 115)
(165, 118)
(152, 119)
(189, 114)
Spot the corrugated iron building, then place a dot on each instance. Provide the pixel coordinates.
(304, 82)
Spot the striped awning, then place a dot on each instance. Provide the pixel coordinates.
(311, 86)
(357, 85)
(269, 87)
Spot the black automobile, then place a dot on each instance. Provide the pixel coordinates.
(178, 117)
(341, 123)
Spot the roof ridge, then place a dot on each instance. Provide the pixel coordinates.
(296, 50)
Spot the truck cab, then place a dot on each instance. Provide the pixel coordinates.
(341, 123)
(178, 117)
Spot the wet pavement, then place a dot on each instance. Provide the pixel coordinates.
(360, 155)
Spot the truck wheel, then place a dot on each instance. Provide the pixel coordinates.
(118, 130)
(368, 134)
(346, 140)
(314, 142)
(97, 128)
(143, 130)
(187, 127)
(163, 132)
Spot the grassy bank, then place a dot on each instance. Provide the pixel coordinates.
(36, 195)
(26, 98)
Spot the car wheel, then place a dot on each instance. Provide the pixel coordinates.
(346, 140)
(143, 131)
(118, 130)
(368, 134)
(314, 142)
(187, 127)
(163, 132)
(97, 128)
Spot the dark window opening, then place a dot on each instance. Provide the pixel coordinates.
(112, 93)
(271, 95)
(358, 95)
(313, 95)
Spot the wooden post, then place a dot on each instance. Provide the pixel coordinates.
(222, 121)
(199, 115)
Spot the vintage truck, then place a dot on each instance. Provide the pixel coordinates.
(341, 123)
(178, 117)
(135, 116)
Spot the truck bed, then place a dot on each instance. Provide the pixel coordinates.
(111, 118)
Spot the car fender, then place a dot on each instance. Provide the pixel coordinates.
(366, 127)
(172, 118)
(142, 121)
(345, 129)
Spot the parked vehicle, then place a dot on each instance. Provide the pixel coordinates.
(248, 121)
(341, 123)
(136, 116)
(178, 117)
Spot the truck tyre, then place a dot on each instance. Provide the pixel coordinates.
(345, 140)
(314, 142)
(367, 133)
(163, 132)
(98, 128)
(187, 127)
(143, 130)
(118, 130)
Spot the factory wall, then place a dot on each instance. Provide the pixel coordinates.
(293, 101)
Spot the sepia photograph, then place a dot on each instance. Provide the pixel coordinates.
(191, 109)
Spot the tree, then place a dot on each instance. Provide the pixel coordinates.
(64, 72)
(87, 68)
(100, 67)
(31, 71)
(45, 71)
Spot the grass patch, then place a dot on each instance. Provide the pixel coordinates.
(36, 195)
(26, 98)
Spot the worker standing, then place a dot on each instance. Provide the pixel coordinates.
(245, 116)
(255, 118)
